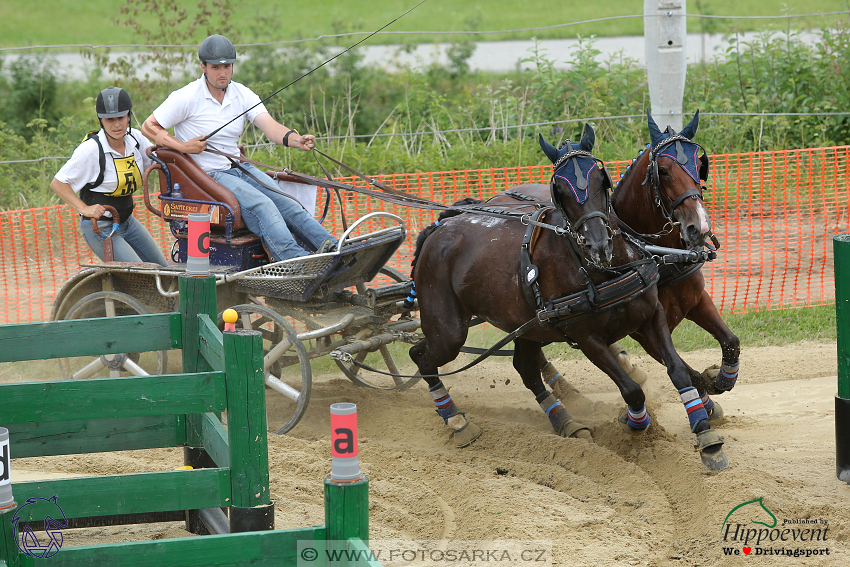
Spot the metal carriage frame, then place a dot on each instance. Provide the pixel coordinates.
(327, 296)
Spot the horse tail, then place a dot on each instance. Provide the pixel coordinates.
(426, 232)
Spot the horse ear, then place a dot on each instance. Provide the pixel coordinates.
(654, 130)
(548, 149)
(703, 167)
(588, 138)
(690, 130)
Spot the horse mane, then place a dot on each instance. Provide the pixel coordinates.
(426, 232)
(629, 171)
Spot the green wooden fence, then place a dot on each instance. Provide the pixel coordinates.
(221, 371)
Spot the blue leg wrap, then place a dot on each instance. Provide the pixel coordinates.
(446, 408)
(554, 410)
(411, 298)
(551, 381)
(728, 376)
(638, 420)
(693, 405)
(707, 403)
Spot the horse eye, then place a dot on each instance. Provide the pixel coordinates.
(663, 171)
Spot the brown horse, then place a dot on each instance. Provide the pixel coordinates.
(659, 201)
(577, 280)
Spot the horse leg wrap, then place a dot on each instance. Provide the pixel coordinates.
(728, 376)
(707, 403)
(410, 300)
(550, 374)
(638, 420)
(446, 408)
(558, 415)
(712, 408)
(693, 405)
(463, 430)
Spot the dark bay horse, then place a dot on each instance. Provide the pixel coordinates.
(659, 201)
(577, 279)
(668, 212)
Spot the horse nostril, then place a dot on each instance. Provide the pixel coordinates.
(693, 232)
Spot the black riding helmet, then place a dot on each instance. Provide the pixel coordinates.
(217, 50)
(113, 102)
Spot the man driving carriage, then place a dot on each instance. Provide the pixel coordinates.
(215, 103)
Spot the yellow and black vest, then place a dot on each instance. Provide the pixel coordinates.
(129, 179)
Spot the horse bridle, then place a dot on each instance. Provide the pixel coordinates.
(581, 182)
(668, 206)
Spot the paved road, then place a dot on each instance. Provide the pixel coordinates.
(494, 56)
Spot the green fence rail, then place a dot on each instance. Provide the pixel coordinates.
(221, 371)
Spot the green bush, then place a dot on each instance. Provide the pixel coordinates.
(446, 118)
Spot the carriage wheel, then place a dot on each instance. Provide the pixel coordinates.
(281, 348)
(393, 273)
(111, 304)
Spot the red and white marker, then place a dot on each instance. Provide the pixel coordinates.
(345, 462)
(198, 245)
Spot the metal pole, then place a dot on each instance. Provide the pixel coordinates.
(841, 253)
(665, 42)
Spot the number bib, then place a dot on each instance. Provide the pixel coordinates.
(129, 176)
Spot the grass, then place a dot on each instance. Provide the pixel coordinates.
(61, 22)
(756, 329)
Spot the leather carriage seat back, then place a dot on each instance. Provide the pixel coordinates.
(195, 183)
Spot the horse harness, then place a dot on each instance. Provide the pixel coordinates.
(557, 313)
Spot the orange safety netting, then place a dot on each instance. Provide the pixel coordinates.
(775, 214)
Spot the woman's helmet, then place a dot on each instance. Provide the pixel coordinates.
(113, 102)
(217, 49)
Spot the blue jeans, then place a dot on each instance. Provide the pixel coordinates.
(130, 243)
(273, 217)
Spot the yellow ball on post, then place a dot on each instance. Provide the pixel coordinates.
(229, 316)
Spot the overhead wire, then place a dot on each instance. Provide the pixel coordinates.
(495, 128)
(407, 33)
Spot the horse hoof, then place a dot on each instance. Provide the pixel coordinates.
(711, 372)
(575, 430)
(710, 446)
(711, 381)
(466, 435)
(716, 414)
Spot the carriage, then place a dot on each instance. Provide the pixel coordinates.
(305, 308)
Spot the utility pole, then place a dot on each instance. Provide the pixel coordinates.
(665, 37)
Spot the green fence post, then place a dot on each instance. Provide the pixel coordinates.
(346, 489)
(197, 295)
(252, 508)
(841, 253)
(8, 545)
(347, 509)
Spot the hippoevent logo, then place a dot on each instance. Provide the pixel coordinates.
(50, 543)
(755, 530)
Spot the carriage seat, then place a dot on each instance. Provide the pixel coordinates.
(195, 184)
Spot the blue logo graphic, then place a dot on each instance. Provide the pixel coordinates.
(48, 509)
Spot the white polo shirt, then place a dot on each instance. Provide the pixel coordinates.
(84, 165)
(193, 112)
